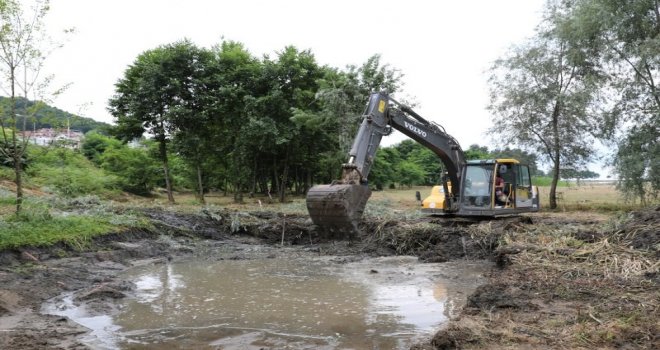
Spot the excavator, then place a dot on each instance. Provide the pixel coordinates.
(474, 188)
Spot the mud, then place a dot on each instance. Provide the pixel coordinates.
(524, 297)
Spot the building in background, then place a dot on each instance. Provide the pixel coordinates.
(55, 137)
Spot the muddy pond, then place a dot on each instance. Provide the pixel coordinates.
(301, 302)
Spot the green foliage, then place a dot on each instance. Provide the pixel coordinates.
(543, 94)
(6, 173)
(637, 161)
(135, 170)
(578, 174)
(95, 144)
(68, 173)
(623, 37)
(73, 230)
(384, 172)
(161, 93)
(46, 116)
(410, 173)
(477, 152)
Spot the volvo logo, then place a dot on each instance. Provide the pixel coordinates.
(414, 129)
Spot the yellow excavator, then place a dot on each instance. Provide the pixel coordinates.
(486, 188)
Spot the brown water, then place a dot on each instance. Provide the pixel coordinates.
(293, 303)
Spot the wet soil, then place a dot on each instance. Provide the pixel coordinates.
(538, 296)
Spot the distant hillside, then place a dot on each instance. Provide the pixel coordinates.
(51, 117)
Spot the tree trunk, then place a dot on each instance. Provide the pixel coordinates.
(553, 184)
(285, 174)
(556, 157)
(308, 182)
(15, 153)
(253, 185)
(276, 177)
(200, 184)
(166, 169)
(19, 183)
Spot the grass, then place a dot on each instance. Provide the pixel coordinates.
(46, 220)
(73, 230)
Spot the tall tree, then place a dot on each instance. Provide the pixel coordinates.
(268, 144)
(24, 46)
(342, 95)
(542, 94)
(625, 37)
(158, 94)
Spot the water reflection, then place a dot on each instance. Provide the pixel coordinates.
(302, 303)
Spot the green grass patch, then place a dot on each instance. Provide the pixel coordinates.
(73, 230)
(6, 173)
(76, 231)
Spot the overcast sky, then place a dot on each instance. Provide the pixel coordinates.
(442, 47)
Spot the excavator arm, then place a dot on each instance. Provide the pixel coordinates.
(338, 207)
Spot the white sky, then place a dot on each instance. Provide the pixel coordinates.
(442, 47)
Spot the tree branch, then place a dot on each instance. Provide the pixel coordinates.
(654, 89)
(623, 56)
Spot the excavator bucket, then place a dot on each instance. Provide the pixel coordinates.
(337, 209)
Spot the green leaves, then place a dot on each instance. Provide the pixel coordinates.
(623, 38)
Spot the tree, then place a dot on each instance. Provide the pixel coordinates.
(477, 152)
(624, 36)
(542, 97)
(410, 173)
(158, 94)
(136, 170)
(95, 144)
(23, 50)
(385, 171)
(342, 96)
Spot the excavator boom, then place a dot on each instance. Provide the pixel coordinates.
(338, 207)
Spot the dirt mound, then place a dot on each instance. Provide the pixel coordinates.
(638, 230)
(642, 229)
(499, 296)
(442, 239)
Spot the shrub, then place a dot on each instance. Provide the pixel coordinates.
(68, 173)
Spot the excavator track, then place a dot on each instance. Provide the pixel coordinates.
(337, 208)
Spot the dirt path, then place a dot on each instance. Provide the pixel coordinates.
(540, 292)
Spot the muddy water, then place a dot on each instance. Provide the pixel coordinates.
(295, 303)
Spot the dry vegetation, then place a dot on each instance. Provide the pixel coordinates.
(568, 282)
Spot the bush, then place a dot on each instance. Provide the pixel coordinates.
(68, 173)
(6, 173)
(137, 172)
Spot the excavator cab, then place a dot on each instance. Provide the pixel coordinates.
(481, 195)
(494, 187)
